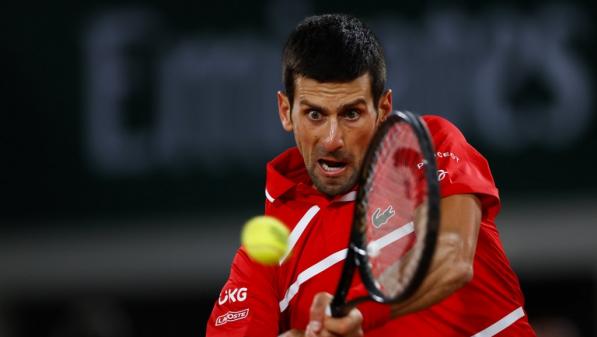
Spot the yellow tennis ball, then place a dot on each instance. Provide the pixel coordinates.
(265, 238)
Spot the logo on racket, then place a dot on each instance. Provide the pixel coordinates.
(379, 219)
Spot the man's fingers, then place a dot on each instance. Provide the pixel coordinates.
(320, 302)
(317, 314)
(349, 325)
(321, 325)
(293, 333)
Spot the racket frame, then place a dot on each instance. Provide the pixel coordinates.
(356, 256)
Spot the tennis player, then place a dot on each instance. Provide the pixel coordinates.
(335, 97)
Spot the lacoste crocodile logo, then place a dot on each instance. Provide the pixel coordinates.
(379, 219)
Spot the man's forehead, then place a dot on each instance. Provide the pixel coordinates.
(309, 89)
(363, 80)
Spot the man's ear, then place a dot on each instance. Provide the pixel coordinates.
(384, 106)
(284, 110)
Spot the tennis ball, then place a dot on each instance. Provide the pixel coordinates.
(265, 238)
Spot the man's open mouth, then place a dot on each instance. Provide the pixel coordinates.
(332, 166)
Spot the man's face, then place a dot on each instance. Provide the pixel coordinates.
(333, 124)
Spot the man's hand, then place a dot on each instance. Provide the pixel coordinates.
(293, 333)
(321, 325)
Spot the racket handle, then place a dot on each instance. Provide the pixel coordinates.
(337, 310)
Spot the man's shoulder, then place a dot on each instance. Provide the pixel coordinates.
(437, 123)
(442, 130)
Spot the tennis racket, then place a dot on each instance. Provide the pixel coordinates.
(396, 215)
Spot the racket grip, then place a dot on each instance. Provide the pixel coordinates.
(337, 310)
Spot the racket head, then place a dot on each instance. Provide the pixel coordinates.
(396, 215)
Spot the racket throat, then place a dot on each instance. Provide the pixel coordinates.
(357, 252)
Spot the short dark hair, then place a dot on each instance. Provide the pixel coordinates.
(333, 48)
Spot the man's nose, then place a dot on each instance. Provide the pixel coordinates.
(334, 138)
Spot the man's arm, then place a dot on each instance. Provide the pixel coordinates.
(247, 305)
(451, 268)
(452, 264)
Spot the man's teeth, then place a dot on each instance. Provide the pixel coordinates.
(330, 168)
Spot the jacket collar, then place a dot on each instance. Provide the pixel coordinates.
(287, 171)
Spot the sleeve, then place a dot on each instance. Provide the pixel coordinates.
(247, 305)
(460, 168)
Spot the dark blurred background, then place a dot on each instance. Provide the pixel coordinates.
(134, 135)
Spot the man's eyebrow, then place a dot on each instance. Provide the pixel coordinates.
(357, 101)
(345, 106)
(310, 104)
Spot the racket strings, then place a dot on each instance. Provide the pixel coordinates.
(396, 209)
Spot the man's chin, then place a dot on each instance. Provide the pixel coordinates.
(332, 189)
(333, 186)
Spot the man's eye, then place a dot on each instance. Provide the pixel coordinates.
(352, 115)
(314, 115)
